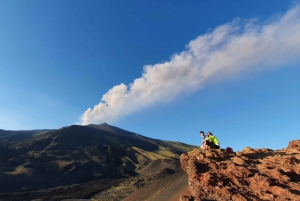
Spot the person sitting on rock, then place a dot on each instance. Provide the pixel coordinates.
(211, 142)
(203, 139)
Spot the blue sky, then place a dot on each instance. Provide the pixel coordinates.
(229, 67)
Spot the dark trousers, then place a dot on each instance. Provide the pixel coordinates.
(212, 145)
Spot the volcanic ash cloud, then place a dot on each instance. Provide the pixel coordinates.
(230, 50)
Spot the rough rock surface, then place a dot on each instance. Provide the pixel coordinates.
(252, 174)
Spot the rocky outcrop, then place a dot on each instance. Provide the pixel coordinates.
(294, 145)
(252, 174)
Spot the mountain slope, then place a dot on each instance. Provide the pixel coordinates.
(15, 136)
(77, 154)
(168, 188)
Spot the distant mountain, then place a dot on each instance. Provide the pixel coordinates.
(14, 136)
(80, 154)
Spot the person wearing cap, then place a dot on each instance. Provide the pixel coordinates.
(203, 136)
(211, 141)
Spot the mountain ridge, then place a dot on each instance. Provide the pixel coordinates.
(81, 154)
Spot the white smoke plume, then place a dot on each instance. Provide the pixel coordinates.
(232, 49)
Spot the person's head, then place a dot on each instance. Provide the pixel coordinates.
(201, 133)
(209, 134)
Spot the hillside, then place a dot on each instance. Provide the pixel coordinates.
(106, 163)
(50, 161)
(166, 189)
(213, 175)
(15, 136)
(252, 174)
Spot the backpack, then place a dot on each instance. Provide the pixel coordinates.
(229, 150)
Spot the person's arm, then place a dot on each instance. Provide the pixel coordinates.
(209, 138)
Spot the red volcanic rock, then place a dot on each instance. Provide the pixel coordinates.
(294, 145)
(252, 174)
